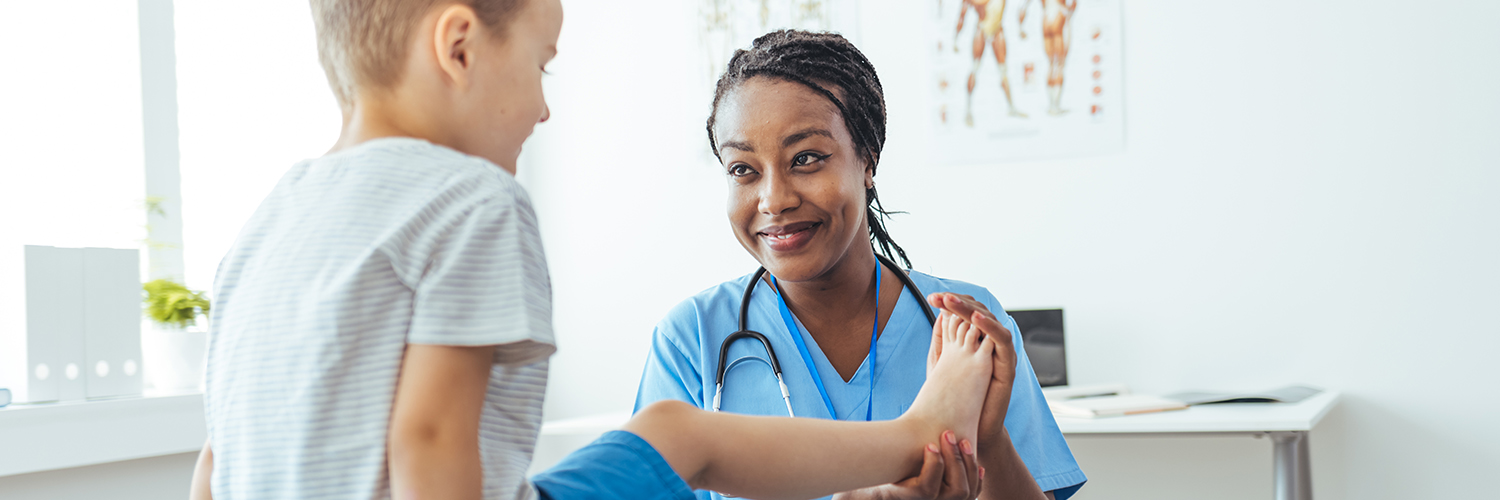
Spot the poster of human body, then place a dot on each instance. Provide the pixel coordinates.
(1025, 79)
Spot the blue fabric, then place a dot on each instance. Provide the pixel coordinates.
(618, 465)
(685, 354)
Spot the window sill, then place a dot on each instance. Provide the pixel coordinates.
(43, 437)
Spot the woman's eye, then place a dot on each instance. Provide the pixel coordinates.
(806, 158)
(740, 170)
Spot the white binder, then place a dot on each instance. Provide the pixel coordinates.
(112, 322)
(54, 324)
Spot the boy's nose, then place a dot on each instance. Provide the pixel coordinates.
(546, 113)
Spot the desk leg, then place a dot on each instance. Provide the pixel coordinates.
(1293, 470)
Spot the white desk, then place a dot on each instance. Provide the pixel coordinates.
(1286, 424)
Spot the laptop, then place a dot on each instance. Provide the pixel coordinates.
(1042, 335)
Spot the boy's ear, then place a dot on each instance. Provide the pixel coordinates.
(454, 41)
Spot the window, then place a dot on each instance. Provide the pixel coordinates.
(71, 167)
(250, 100)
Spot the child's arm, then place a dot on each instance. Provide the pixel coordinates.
(434, 434)
(202, 472)
(777, 457)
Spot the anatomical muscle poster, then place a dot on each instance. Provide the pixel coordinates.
(1025, 79)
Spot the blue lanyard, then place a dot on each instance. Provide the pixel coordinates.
(796, 333)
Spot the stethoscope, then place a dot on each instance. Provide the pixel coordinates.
(746, 332)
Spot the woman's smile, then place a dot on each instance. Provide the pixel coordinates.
(790, 237)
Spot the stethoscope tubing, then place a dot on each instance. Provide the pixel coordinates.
(746, 332)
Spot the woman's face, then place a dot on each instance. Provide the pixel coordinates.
(796, 184)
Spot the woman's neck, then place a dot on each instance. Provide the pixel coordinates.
(845, 291)
(837, 308)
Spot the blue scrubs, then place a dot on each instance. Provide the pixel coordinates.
(685, 355)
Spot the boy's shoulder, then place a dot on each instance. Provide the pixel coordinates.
(415, 165)
(403, 196)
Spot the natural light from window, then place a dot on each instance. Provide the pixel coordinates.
(253, 101)
(71, 135)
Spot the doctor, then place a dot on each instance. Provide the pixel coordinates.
(798, 123)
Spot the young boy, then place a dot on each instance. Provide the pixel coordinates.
(384, 318)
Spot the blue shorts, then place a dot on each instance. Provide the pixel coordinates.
(618, 465)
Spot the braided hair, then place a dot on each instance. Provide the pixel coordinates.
(822, 61)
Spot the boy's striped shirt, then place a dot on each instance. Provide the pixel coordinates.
(350, 258)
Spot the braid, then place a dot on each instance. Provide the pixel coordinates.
(823, 61)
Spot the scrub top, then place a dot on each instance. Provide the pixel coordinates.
(685, 356)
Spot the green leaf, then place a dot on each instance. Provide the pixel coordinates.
(172, 304)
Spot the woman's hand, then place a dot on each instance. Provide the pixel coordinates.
(937, 480)
(997, 399)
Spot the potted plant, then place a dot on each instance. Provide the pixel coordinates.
(177, 336)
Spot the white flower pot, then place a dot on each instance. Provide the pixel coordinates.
(174, 357)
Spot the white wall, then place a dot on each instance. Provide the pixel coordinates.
(1308, 194)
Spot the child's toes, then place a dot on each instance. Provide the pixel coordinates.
(970, 335)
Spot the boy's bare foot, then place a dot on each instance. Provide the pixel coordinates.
(1002, 380)
(958, 376)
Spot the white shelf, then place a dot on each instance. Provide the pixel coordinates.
(1216, 418)
(42, 437)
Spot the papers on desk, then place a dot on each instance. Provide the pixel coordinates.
(1288, 394)
(1112, 406)
(1110, 400)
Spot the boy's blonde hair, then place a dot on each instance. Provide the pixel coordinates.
(363, 43)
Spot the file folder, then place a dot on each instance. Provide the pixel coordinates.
(54, 324)
(112, 322)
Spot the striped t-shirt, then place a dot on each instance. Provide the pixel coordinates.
(350, 258)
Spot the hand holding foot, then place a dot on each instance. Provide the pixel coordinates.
(1003, 372)
(950, 471)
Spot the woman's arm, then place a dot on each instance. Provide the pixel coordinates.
(1010, 478)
